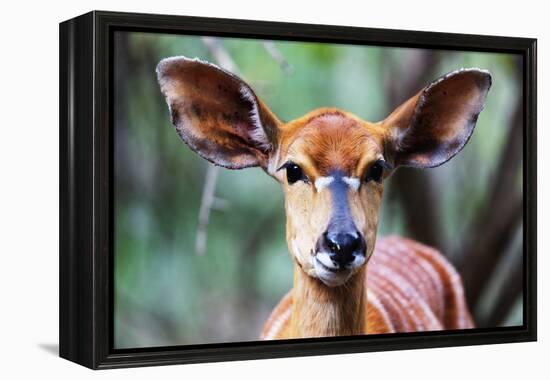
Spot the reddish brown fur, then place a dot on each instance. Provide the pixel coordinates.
(331, 139)
(405, 286)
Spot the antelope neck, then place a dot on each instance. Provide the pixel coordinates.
(319, 310)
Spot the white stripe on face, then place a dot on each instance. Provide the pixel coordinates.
(323, 182)
(352, 182)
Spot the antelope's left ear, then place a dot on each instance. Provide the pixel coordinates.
(434, 125)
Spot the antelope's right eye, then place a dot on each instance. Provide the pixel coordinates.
(294, 173)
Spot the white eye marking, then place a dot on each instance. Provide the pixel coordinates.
(352, 182)
(322, 182)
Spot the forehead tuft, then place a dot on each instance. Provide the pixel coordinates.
(333, 140)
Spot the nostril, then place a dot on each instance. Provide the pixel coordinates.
(342, 242)
(332, 244)
(355, 242)
(343, 247)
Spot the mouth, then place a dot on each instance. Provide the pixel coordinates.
(330, 276)
(328, 269)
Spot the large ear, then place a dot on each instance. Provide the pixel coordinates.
(217, 114)
(434, 125)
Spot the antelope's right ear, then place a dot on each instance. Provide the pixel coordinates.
(217, 114)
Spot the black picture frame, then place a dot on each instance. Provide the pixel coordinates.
(86, 183)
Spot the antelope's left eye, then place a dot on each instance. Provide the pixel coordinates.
(375, 172)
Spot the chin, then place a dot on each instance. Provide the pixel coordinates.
(329, 277)
(332, 275)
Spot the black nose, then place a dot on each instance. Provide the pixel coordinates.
(343, 247)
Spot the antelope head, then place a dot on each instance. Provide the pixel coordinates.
(330, 163)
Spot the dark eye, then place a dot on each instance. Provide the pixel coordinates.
(375, 172)
(293, 173)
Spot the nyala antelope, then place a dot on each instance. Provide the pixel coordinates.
(332, 166)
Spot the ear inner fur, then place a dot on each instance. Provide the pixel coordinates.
(435, 124)
(217, 114)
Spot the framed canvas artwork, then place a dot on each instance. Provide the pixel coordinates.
(237, 189)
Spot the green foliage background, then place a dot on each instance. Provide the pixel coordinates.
(165, 294)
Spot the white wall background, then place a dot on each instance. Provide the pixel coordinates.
(29, 187)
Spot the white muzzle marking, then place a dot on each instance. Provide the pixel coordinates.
(324, 258)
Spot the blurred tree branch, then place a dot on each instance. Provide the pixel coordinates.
(262, 231)
(278, 57)
(509, 293)
(492, 231)
(208, 199)
(421, 206)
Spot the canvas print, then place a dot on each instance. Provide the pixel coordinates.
(271, 190)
